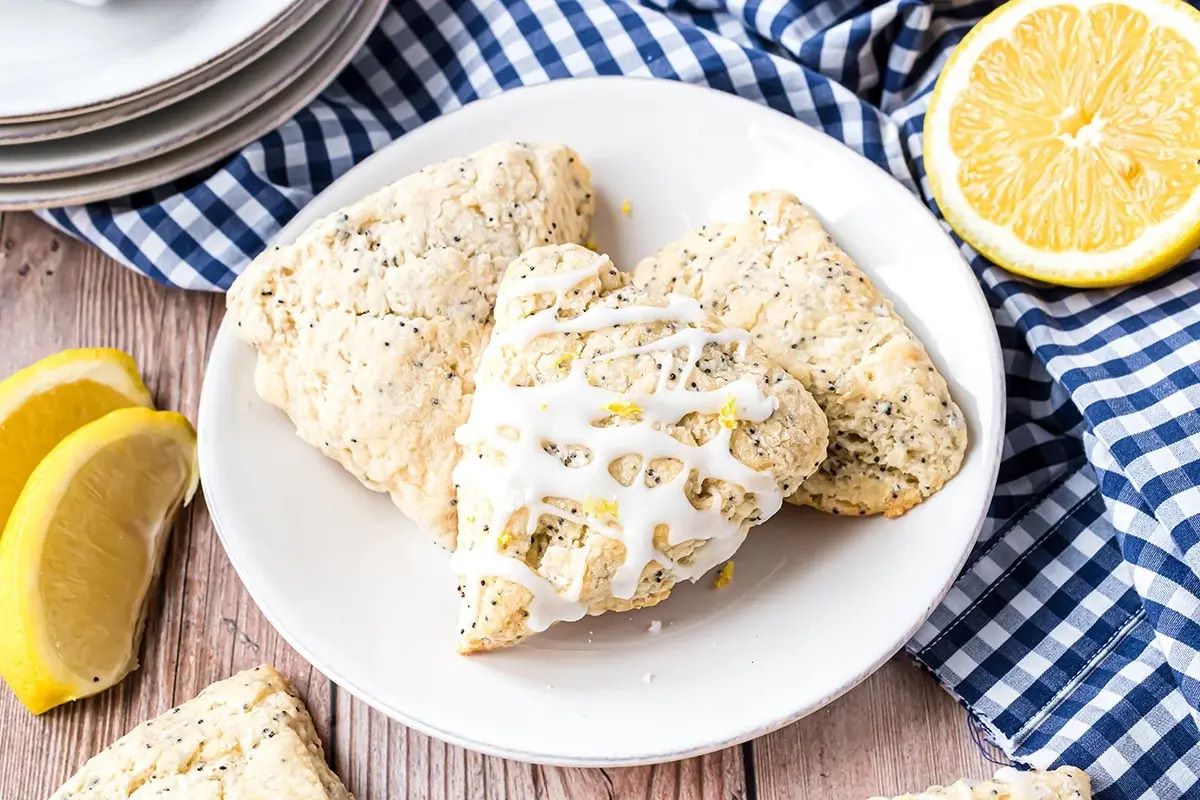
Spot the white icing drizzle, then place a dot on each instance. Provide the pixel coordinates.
(518, 421)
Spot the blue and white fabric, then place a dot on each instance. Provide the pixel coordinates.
(1074, 633)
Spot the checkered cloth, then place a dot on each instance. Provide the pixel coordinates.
(1073, 633)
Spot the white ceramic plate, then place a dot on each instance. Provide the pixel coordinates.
(817, 602)
(60, 58)
(183, 122)
(180, 161)
(46, 129)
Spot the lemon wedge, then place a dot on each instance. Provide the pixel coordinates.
(42, 403)
(81, 550)
(1062, 139)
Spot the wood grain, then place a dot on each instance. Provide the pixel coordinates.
(897, 731)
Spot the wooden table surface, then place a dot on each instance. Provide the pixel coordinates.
(896, 732)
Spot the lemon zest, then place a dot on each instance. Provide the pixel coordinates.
(623, 409)
(626, 207)
(600, 507)
(728, 414)
(724, 576)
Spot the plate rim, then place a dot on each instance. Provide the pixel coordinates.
(174, 164)
(171, 135)
(989, 450)
(89, 120)
(224, 57)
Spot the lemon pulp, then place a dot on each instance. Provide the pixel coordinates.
(1063, 139)
(100, 548)
(44, 402)
(1098, 132)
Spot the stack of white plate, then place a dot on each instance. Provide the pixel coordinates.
(100, 101)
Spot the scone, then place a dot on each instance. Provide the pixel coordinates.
(369, 326)
(895, 434)
(1064, 783)
(616, 445)
(247, 737)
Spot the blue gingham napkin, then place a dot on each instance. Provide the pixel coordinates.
(1073, 633)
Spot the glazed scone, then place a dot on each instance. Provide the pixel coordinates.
(895, 434)
(246, 737)
(617, 445)
(369, 326)
(1064, 783)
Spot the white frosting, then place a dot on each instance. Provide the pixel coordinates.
(519, 421)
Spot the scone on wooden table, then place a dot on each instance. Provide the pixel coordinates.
(617, 444)
(895, 434)
(369, 326)
(1064, 783)
(245, 737)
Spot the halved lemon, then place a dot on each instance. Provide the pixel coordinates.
(1062, 139)
(42, 403)
(81, 550)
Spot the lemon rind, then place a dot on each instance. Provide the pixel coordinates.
(103, 365)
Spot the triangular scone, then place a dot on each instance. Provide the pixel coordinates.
(369, 326)
(245, 737)
(616, 445)
(895, 435)
(1064, 783)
